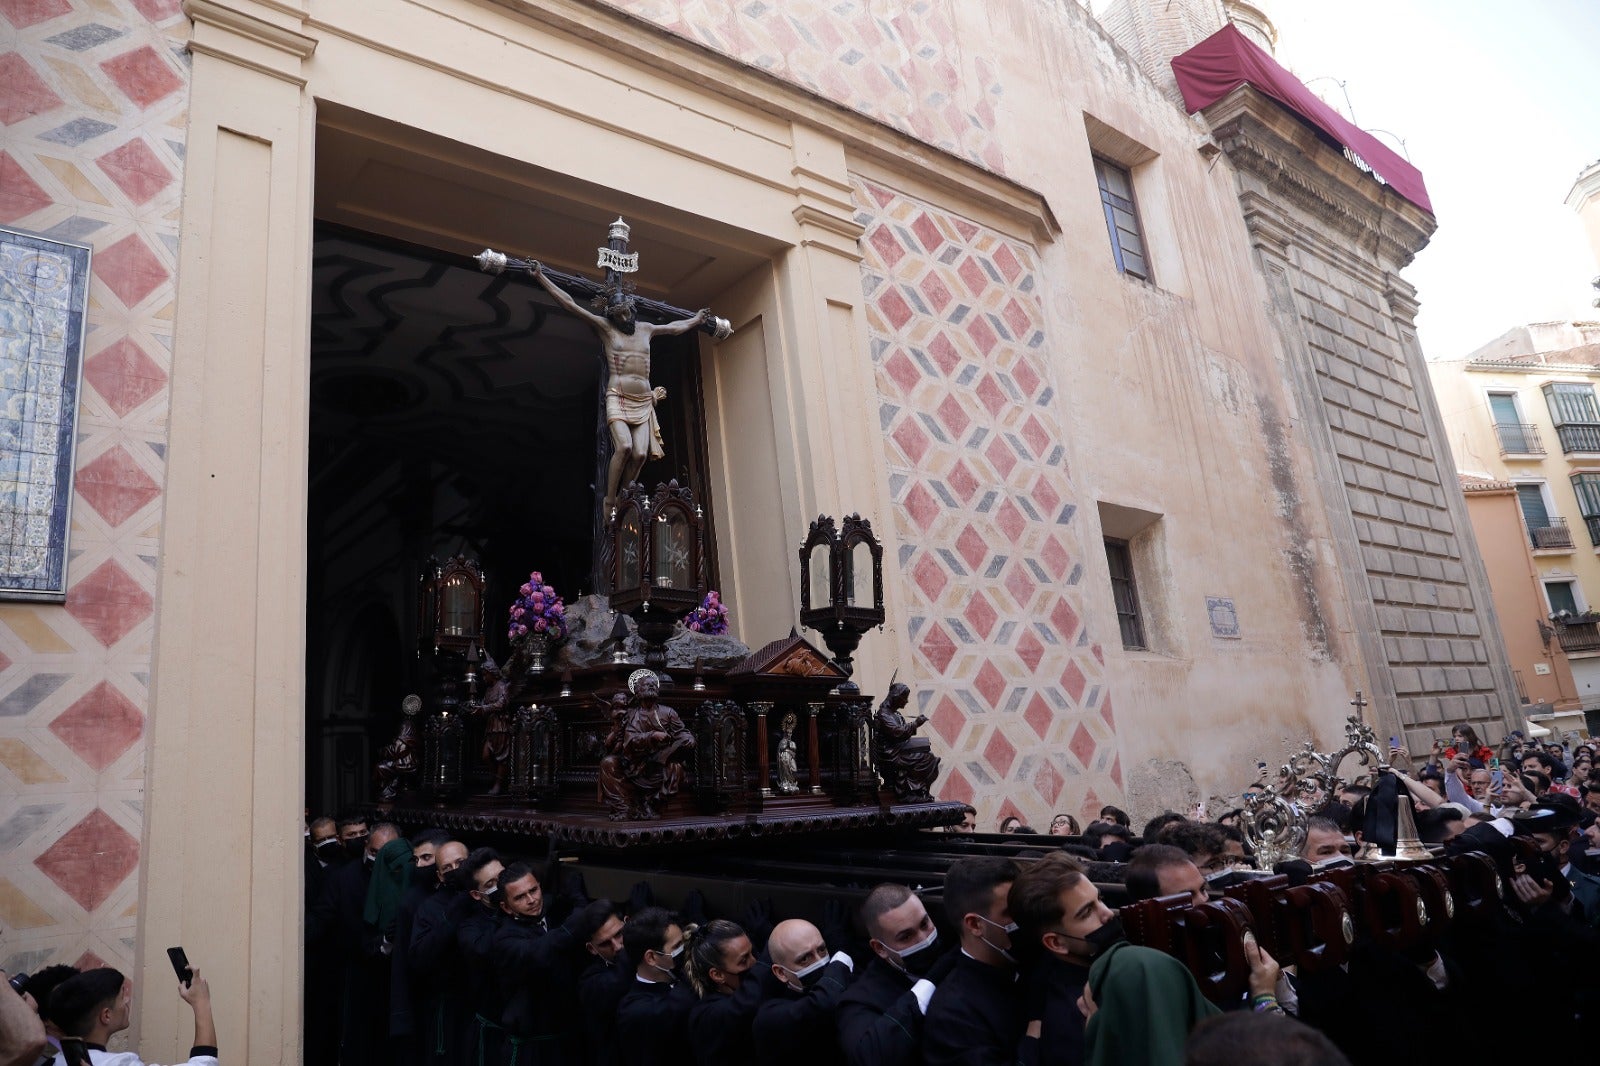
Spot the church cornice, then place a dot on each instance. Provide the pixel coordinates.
(1302, 174)
(640, 41)
(261, 35)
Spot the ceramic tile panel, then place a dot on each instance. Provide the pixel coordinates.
(988, 549)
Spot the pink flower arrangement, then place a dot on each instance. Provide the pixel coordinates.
(711, 617)
(537, 609)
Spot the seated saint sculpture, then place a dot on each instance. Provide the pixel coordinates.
(905, 761)
(400, 760)
(645, 749)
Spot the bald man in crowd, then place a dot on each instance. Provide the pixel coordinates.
(800, 995)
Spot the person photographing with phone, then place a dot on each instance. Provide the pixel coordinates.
(95, 1005)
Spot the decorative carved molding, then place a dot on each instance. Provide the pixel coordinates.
(592, 831)
(227, 32)
(638, 41)
(1302, 173)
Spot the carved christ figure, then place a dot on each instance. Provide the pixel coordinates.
(630, 401)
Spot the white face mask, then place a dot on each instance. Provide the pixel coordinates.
(1009, 928)
(670, 971)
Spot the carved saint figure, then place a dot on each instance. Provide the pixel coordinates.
(788, 765)
(497, 726)
(630, 401)
(645, 749)
(905, 760)
(398, 761)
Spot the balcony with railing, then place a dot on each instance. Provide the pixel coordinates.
(1579, 437)
(1578, 635)
(1593, 524)
(1518, 439)
(1552, 536)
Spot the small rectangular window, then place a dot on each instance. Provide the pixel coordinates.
(1122, 218)
(1562, 598)
(1125, 593)
(1503, 405)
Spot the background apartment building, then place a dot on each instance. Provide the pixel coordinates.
(1523, 412)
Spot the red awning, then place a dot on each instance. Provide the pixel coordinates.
(1227, 59)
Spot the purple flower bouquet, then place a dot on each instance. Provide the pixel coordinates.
(711, 617)
(539, 611)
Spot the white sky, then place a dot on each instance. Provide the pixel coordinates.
(1498, 102)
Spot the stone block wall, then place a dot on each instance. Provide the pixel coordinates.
(1330, 240)
(1390, 468)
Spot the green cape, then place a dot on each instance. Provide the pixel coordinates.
(1147, 1003)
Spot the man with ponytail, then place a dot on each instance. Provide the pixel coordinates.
(718, 958)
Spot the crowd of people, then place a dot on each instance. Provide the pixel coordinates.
(426, 950)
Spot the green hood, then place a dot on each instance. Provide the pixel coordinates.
(1147, 1003)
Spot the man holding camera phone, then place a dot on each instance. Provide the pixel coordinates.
(95, 1005)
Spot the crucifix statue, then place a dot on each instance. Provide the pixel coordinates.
(613, 310)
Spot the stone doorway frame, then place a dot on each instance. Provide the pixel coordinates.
(612, 104)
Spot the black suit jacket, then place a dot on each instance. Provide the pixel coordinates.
(534, 969)
(799, 1027)
(975, 1017)
(880, 1023)
(720, 1025)
(601, 987)
(652, 1024)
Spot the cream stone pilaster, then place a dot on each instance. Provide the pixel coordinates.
(222, 846)
(838, 443)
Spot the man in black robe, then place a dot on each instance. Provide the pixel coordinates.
(404, 1017)
(652, 1019)
(534, 964)
(1060, 909)
(800, 995)
(975, 1017)
(474, 938)
(438, 982)
(339, 917)
(880, 1015)
(719, 960)
(603, 982)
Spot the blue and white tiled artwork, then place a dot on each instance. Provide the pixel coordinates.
(44, 288)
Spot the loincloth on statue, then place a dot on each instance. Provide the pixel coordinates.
(636, 411)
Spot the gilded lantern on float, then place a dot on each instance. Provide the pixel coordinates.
(841, 584)
(657, 552)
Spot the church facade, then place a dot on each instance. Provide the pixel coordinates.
(1133, 398)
